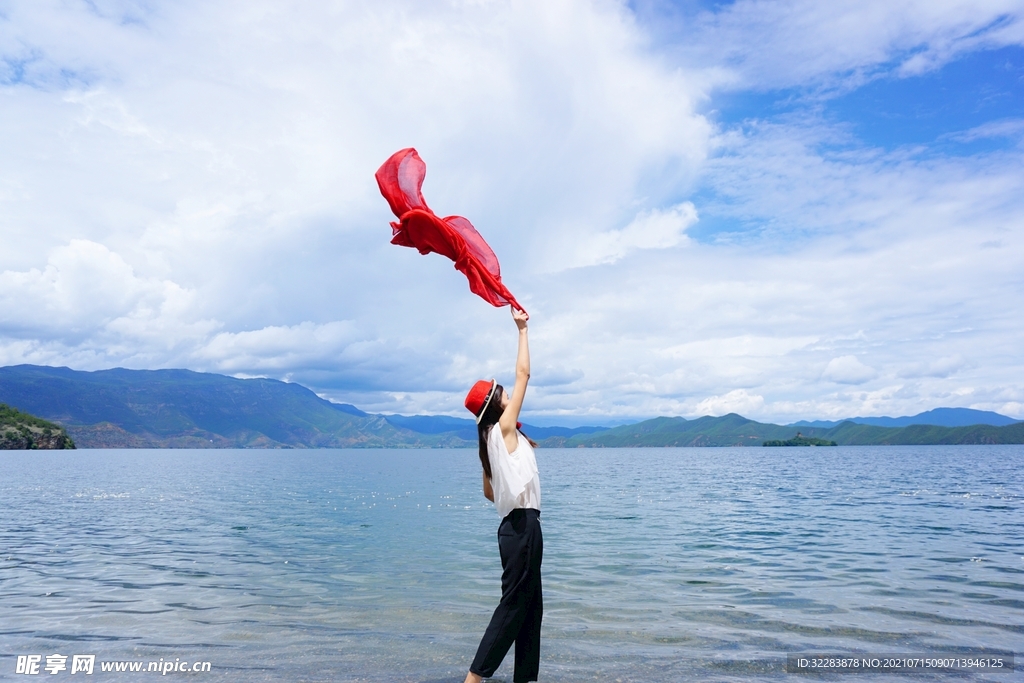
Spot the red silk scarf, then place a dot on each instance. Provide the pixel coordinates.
(400, 179)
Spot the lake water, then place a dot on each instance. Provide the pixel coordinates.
(659, 564)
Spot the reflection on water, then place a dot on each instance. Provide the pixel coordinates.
(660, 564)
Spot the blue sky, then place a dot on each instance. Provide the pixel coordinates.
(790, 210)
(971, 106)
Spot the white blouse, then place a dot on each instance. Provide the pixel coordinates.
(515, 480)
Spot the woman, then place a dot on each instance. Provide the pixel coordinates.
(511, 481)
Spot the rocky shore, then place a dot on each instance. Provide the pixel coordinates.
(20, 431)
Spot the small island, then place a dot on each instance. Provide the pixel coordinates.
(800, 440)
(20, 432)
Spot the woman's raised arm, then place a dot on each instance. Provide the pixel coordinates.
(510, 416)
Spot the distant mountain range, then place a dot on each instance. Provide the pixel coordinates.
(735, 430)
(940, 417)
(183, 409)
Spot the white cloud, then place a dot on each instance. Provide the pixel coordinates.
(848, 370)
(654, 229)
(1004, 128)
(1013, 409)
(279, 348)
(83, 282)
(805, 43)
(736, 401)
(940, 367)
(89, 294)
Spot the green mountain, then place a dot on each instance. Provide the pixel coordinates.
(735, 430)
(851, 434)
(21, 431)
(941, 417)
(183, 409)
(728, 430)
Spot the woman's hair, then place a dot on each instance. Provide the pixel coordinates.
(490, 417)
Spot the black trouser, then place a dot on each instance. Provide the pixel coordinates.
(517, 617)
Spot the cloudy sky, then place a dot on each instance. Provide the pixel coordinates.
(791, 210)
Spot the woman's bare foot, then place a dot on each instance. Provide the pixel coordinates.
(472, 678)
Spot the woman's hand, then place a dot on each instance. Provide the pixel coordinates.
(520, 317)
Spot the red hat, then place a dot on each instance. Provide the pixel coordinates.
(479, 397)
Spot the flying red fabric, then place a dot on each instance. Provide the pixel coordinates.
(400, 179)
